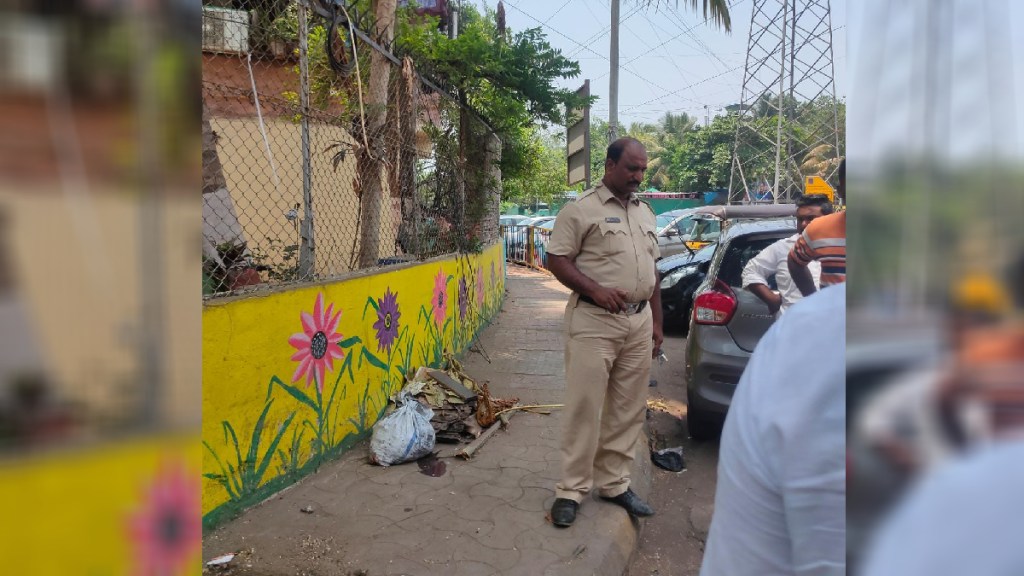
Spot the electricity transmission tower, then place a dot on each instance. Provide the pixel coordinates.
(788, 122)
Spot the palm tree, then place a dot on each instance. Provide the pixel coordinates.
(675, 126)
(652, 136)
(717, 11)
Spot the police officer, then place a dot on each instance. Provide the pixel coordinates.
(603, 248)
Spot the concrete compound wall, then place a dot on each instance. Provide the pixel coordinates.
(294, 377)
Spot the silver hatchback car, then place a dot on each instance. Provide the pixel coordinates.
(726, 323)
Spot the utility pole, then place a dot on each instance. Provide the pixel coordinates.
(613, 83)
(707, 116)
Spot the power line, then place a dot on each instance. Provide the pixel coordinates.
(676, 92)
(556, 12)
(602, 32)
(705, 21)
(634, 73)
(701, 45)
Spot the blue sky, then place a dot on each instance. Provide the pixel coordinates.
(670, 60)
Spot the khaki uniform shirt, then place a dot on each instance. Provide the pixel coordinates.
(613, 246)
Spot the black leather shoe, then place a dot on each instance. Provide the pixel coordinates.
(563, 512)
(632, 503)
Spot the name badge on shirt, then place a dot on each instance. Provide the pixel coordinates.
(612, 220)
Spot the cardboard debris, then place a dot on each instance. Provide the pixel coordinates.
(452, 384)
(462, 408)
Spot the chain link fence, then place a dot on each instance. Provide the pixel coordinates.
(324, 153)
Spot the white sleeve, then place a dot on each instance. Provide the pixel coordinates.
(762, 266)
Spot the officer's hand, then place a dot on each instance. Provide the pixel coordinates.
(659, 338)
(611, 299)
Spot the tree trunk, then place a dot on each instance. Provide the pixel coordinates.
(370, 162)
(404, 174)
(213, 171)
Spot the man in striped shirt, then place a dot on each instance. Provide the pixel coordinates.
(824, 240)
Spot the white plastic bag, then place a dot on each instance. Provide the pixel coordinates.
(403, 435)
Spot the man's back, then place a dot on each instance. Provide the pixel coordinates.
(780, 505)
(824, 240)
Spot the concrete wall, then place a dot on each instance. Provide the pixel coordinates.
(261, 395)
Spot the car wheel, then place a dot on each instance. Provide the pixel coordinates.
(701, 426)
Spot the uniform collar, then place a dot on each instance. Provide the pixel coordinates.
(604, 194)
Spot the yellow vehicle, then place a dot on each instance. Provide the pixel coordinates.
(710, 221)
(816, 185)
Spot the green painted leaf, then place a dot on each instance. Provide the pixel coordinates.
(254, 446)
(294, 393)
(348, 364)
(370, 302)
(223, 477)
(273, 447)
(350, 342)
(374, 361)
(228, 429)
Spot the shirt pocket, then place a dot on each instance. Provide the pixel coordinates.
(651, 237)
(614, 238)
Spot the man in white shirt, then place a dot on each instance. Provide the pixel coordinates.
(773, 260)
(780, 503)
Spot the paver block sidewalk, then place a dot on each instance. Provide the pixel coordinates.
(485, 516)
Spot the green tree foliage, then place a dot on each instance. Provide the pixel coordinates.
(545, 176)
(684, 157)
(508, 77)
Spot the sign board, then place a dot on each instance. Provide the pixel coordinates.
(817, 185)
(577, 141)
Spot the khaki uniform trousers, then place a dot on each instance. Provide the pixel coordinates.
(607, 369)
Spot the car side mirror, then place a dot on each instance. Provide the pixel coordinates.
(670, 232)
(703, 267)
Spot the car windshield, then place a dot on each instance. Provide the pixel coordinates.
(705, 229)
(662, 221)
(686, 225)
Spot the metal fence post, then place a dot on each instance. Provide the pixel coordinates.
(306, 246)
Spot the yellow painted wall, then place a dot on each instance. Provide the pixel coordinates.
(96, 511)
(252, 348)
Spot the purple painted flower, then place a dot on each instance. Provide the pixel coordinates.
(480, 287)
(440, 300)
(387, 320)
(463, 296)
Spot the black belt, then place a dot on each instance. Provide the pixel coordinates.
(631, 307)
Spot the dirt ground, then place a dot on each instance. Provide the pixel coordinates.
(672, 541)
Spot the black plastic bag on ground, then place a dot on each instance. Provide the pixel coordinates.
(670, 459)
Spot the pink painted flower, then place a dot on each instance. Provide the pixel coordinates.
(317, 344)
(440, 301)
(166, 530)
(480, 287)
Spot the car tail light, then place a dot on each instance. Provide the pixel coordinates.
(715, 306)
